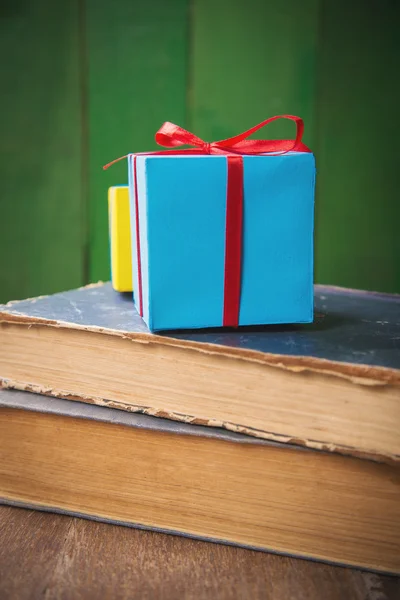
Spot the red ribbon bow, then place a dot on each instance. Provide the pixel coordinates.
(173, 136)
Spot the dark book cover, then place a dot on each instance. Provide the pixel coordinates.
(359, 329)
(342, 370)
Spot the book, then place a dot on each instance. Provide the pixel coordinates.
(333, 384)
(204, 482)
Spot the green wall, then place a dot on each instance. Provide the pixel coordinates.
(85, 81)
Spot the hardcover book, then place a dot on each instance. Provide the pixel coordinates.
(333, 384)
(204, 482)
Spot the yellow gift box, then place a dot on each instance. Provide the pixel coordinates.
(120, 238)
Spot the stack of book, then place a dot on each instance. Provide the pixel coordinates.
(284, 439)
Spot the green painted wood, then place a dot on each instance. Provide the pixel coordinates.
(251, 60)
(137, 66)
(41, 239)
(358, 208)
(85, 81)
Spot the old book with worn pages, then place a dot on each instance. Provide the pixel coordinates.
(333, 384)
(204, 482)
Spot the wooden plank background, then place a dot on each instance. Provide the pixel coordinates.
(358, 213)
(85, 81)
(136, 72)
(42, 245)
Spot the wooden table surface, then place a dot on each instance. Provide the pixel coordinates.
(50, 556)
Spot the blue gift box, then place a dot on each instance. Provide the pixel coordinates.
(178, 223)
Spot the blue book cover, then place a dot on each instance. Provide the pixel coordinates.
(332, 384)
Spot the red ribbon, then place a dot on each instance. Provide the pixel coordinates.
(173, 136)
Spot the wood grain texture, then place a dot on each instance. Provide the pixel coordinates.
(136, 80)
(84, 81)
(358, 213)
(59, 557)
(251, 60)
(41, 242)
